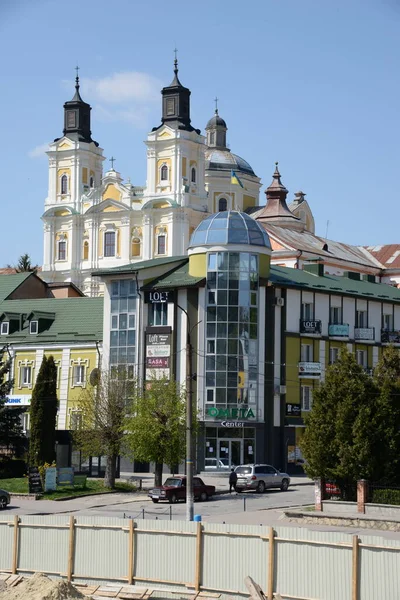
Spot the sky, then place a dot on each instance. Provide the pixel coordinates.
(314, 85)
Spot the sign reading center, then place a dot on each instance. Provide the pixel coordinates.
(230, 413)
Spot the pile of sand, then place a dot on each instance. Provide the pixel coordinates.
(41, 587)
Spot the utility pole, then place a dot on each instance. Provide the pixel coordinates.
(189, 430)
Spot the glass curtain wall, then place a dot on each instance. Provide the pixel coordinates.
(123, 326)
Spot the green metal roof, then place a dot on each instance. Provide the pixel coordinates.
(76, 320)
(297, 278)
(176, 278)
(138, 266)
(9, 283)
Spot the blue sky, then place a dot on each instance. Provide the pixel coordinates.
(314, 85)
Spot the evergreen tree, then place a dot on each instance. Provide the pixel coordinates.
(24, 264)
(43, 413)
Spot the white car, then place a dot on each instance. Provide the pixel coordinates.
(217, 464)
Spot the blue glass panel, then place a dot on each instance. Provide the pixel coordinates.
(253, 225)
(199, 237)
(219, 216)
(219, 223)
(256, 238)
(238, 236)
(217, 237)
(203, 225)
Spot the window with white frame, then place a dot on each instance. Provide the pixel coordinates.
(4, 328)
(26, 375)
(361, 319)
(25, 421)
(164, 173)
(210, 396)
(33, 327)
(387, 322)
(361, 358)
(62, 249)
(335, 315)
(109, 243)
(158, 313)
(193, 175)
(307, 311)
(306, 397)
(333, 354)
(78, 375)
(161, 244)
(64, 184)
(306, 353)
(75, 420)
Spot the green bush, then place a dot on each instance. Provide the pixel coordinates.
(14, 467)
(386, 496)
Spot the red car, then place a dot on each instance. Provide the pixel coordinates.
(174, 489)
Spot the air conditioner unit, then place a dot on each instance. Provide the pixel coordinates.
(279, 302)
(282, 389)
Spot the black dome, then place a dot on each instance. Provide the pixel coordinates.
(216, 121)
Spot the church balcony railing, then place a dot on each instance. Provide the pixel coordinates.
(364, 333)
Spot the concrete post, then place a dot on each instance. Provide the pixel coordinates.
(362, 495)
(319, 489)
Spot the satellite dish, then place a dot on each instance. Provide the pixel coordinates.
(94, 376)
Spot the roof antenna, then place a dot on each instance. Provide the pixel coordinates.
(327, 226)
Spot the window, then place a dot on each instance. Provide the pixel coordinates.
(91, 182)
(335, 315)
(387, 322)
(164, 173)
(123, 322)
(222, 204)
(64, 185)
(109, 243)
(158, 313)
(170, 106)
(85, 250)
(306, 353)
(212, 138)
(33, 327)
(307, 311)
(26, 376)
(161, 244)
(361, 319)
(5, 327)
(79, 375)
(193, 175)
(333, 354)
(25, 421)
(75, 420)
(306, 397)
(361, 358)
(62, 250)
(210, 396)
(136, 249)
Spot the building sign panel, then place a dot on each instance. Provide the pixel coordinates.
(230, 413)
(158, 352)
(310, 326)
(18, 400)
(364, 333)
(339, 330)
(156, 296)
(293, 410)
(232, 423)
(157, 362)
(312, 370)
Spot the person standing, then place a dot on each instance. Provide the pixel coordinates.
(232, 480)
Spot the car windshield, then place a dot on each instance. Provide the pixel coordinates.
(224, 461)
(171, 482)
(243, 470)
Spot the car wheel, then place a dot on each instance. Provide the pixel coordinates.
(261, 487)
(284, 485)
(173, 499)
(203, 497)
(154, 500)
(3, 502)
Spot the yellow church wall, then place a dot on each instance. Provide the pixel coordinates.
(84, 175)
(184, 166)
(160, 162)
(111, 208)
(60, 173)
(248, 201)
(64, 146)
(165, 135)
(86, 205)
(111, 192)
(161, 205)
(61, 213)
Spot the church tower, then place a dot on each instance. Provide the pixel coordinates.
(75, 167)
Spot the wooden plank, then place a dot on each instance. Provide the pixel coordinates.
(271, 564)
(254, 589)
(12, 579)
(354, 573)
(71, 548)
(108, 591)
(197, 574)
(14, 564)
(85, 589)
(16, 581)
(131, 542)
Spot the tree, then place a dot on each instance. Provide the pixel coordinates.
(43, 413)
(11, 433)
(24, 265)
(104, 407)
(339, 440)
(156, 431)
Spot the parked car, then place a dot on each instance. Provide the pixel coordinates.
(174, 489)
(4, 499)
(218, 464)
(260, 477)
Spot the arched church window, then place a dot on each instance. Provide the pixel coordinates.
(109, 243)
(64, 184)
(193, 175)
(164, 173)
(85, 250)
(62, 249)
(91, 182)
(136, 249)
(222, 204)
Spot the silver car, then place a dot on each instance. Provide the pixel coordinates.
(260, 477)
(4, 499)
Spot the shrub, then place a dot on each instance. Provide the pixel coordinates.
(14, 467)
(386, 496)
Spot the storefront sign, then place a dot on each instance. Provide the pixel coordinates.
(158, 296)
(232, 423)
(339, 330)
(293, 410)
(310, 326)
(20, 400)
(157, 362)
(65, 476)
(230, 413)
(34, 481)
(158, 352)
(364, 333)
(312, 370)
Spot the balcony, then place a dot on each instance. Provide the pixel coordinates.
(364, 333)
(338, 330)
(390, 337)
(309, 370)
(311, 326)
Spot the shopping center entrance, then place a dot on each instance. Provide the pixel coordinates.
(229, 447)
